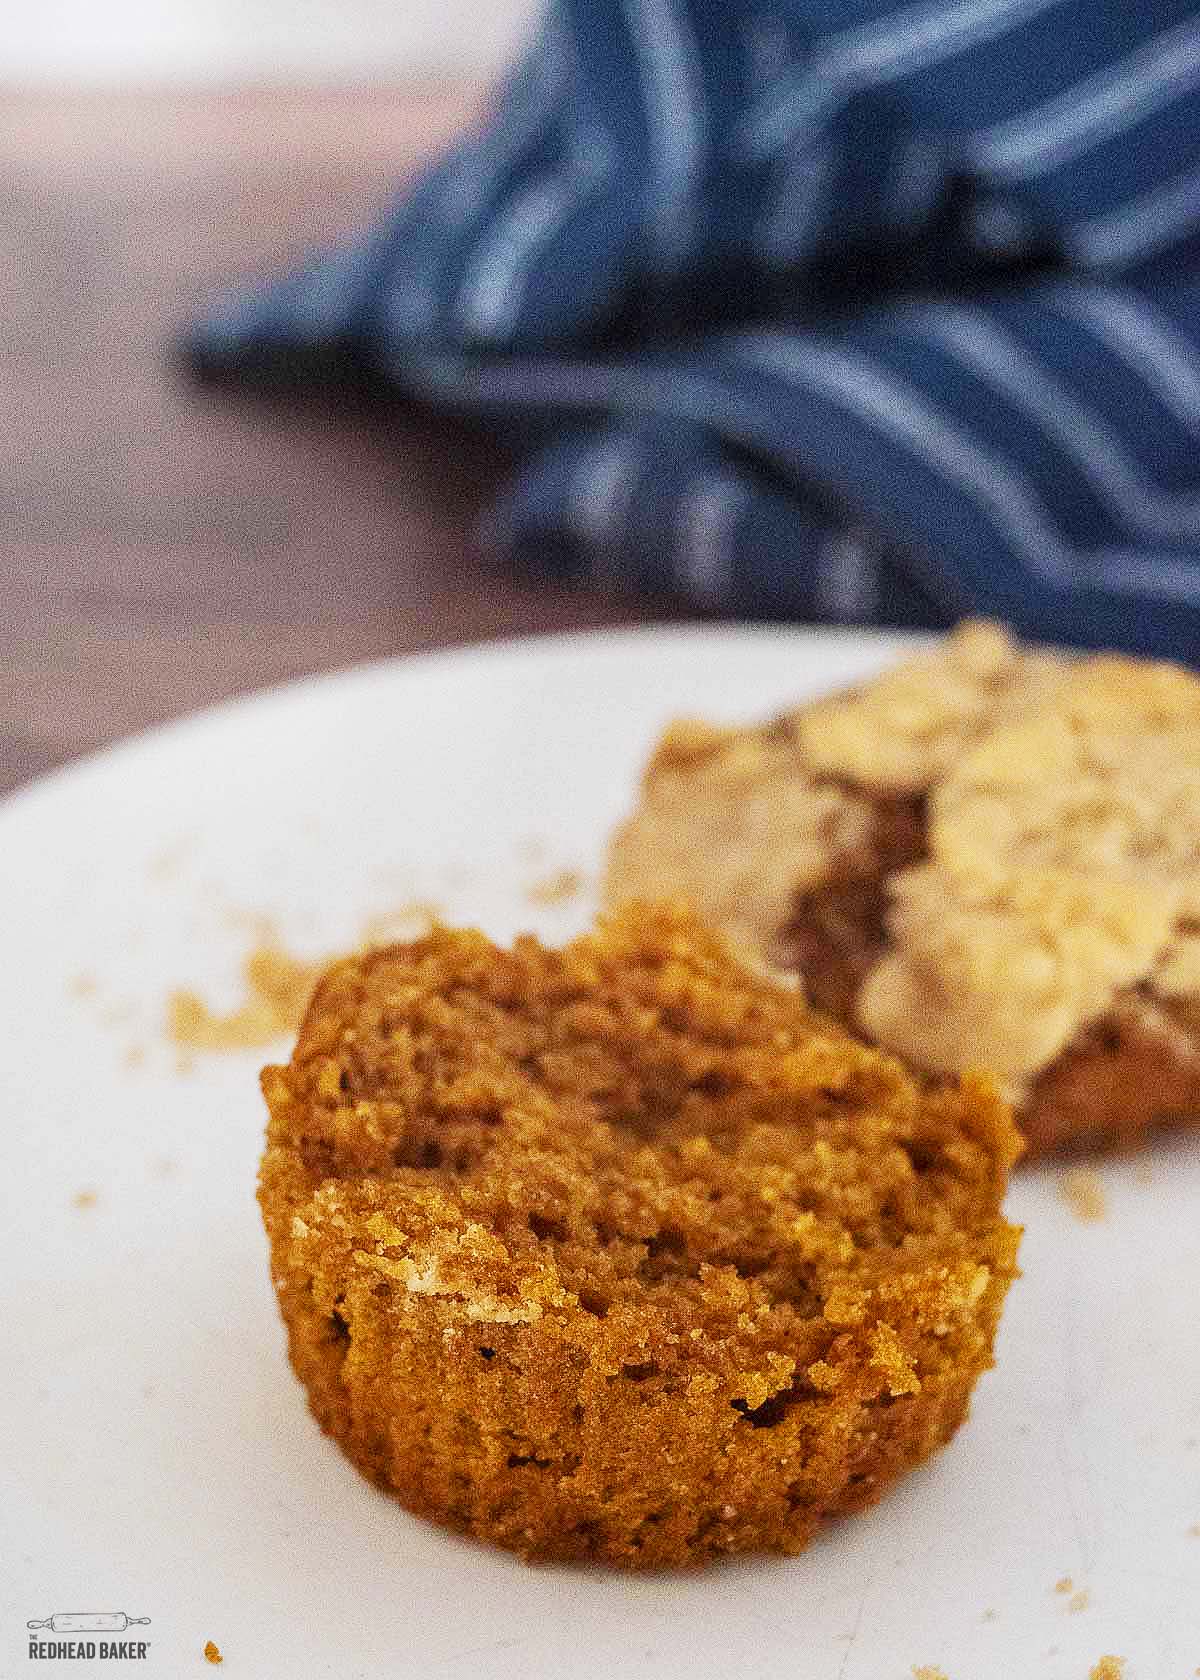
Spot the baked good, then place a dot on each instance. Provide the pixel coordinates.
(619, 1251)
(987, 856)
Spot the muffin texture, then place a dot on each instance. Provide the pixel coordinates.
(621, 1252)
(985, 857)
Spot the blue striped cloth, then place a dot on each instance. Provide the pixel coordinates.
(845, 310)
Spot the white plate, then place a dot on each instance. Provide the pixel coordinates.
(158, 1457)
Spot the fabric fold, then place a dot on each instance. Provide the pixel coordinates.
(832, 309)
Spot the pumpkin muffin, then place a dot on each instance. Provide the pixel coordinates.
(619, 1251)
(987, 856)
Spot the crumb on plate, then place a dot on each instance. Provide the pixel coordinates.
(1083, 1192)
(1079, 1601)
(212, 1652)
(84, 1199)
(1110, 1668)
(559, 887)
(409, 920)
(278, 986)
(165, 864)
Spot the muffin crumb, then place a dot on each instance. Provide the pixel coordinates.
(559, 887)
(167, 862)
(277, 988)
(1083, 1192)
(1110, 1668)
(277, 984)
(212, 1652)
(84, 1199)
(410, 920)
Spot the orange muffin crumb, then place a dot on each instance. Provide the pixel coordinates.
(212, 1653)
(1083, 1192)
(620, 1251)
(1109, 1668)
(559, 887)
(278, 986)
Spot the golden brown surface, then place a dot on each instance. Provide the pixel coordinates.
(1108, 1668)
(983, 857)
(278, 986)
(1083, 1192)
(618, 1251)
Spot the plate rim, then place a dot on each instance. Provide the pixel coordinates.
(496, 651)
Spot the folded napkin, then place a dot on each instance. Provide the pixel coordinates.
(845, 310)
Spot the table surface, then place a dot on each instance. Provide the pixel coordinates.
(162, 547)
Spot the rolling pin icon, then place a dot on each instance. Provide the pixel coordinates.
(90, 1621)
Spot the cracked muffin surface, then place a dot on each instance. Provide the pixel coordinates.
(620, 1251)
(986, 856)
